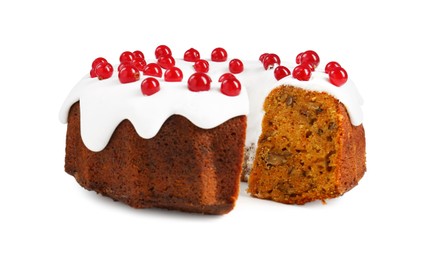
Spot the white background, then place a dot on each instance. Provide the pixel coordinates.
(47, 46)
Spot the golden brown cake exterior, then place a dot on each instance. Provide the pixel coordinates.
(183, 167)
(308, 149)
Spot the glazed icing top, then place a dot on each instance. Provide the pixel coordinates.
(105, 103)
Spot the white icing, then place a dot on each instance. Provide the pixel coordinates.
(105, 103)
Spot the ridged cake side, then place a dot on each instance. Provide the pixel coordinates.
(183, 167)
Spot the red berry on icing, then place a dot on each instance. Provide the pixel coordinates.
(122, 65)
(98, 61)
(162, 50)
(231, 87)
(139, 64)
(281, 72)
(331, 65)
(302, 73)
(310, 57)
(104, 71)
(208, 77)
(262, 57)
(150, 86)
(166, 62)
(199, 82)
(191, 55)
(299, 58)
(128, 73)
(270, 60)
(338, 76)
(201, 66)
(92, 73)
(310, 66)
(236, 66)
(226, 76)
(153, 69)
(275, 57)
(219, 54)
(173, 74)
(127, 56)
(138, 55)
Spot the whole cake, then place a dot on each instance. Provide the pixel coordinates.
(181, 133)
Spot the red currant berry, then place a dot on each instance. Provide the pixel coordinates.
(191, 55)
(219, 55)
(299, 58)
(92, 73)
(166, 62)
(281, 72)
(262, 57)
(331, 65)
(208, 77)
(199, 82)
(276, 58)
(201, 66)
(173, 74)
(98, 61)
(231, 87)
(127, 56)
(150, 86)
(122, 65)
(302, 73)
(309, 65)
(226, 76)
(310, 57)
(338, 76)
(128, 73)
(162, 50)
(236, 66)
(270, 60)
(139, 64)
(104, 71)
(138, 55)
(153, 69)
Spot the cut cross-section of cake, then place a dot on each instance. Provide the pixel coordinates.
(308, 149)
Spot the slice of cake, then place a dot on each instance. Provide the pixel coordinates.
(310, 148)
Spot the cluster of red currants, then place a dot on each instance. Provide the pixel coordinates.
(132, 63)
(307, 62)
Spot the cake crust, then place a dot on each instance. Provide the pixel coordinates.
(182, 168)
(308, 149)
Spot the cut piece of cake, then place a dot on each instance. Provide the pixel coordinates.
(308, 150)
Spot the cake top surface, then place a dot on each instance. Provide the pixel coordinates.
(148, 103)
